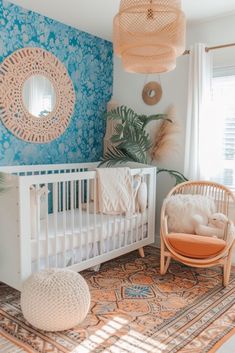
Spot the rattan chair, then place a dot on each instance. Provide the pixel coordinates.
(225, 203)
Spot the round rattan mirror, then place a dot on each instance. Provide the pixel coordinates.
(36, 95)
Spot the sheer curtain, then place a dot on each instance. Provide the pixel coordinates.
(199, 127)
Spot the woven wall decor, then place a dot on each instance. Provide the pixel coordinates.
(15, 70)
(152, 93)
(149, 34)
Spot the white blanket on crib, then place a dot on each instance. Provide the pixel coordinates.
(115, 191)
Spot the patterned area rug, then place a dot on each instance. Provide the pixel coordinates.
(134, 309)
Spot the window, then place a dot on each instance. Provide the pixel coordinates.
(223, 100)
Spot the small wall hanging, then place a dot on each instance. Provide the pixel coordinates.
(36, 95)
(152, 93)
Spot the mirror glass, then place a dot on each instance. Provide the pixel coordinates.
(151, 93)
(39, 96)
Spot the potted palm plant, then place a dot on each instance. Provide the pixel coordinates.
(131, 142)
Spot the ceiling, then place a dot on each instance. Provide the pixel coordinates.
(95, 16)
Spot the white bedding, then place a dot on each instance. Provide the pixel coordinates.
(90, 233)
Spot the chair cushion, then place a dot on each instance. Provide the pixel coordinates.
(195, 246)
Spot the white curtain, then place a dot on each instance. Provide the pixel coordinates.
(197, 146)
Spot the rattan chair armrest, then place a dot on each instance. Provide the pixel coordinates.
(165, 225)
(229, 235)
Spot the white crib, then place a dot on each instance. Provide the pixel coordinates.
(48, 219)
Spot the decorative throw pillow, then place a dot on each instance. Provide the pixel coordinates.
(181, 209)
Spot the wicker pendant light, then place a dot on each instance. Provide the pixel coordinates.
(149, 34)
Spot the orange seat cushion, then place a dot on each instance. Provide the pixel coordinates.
(195, 246)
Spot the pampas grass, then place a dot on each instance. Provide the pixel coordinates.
(165, 141)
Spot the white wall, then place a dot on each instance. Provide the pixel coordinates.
(128, 88)
(216, 32)
(128, 91)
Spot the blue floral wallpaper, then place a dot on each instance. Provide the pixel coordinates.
(88, 60)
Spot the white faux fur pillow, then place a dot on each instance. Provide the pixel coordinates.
(181, 208)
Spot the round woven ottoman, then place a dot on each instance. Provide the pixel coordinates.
(55, 299)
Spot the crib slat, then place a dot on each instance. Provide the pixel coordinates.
(72, 206)
(142, 220)
(38, 227)
(64, 222)
(80, 220)
(137, 228)
(102, 248)
(83, 191)
(109, 233)
(132, 228)
(55, 218)
(67, 195)
(59, 197)
(114, 232)
(88, 219)
(96, 250)
(120, 232)
(142, 226)
(125, 229)
(95, 209)
(134, 211)
(46, 220)
(76, 194)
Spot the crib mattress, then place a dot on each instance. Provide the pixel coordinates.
(61, 237)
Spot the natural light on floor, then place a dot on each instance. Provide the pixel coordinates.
(133, 342)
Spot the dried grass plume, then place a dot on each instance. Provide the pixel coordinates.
(165, 140)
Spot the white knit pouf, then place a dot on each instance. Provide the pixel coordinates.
(55, 299)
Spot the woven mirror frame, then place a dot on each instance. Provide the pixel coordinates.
(15, 70)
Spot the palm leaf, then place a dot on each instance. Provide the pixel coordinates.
(126, 115)
(133, 133)
(133, 150)
(115, 156)
(119, 129)
(121, 113)
(147, 119)
(179, 177)
(115, 139)
(138, 141)
(119, 132)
